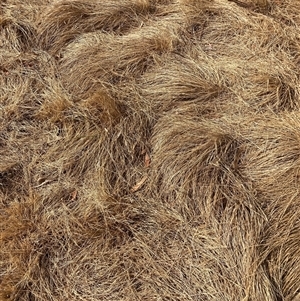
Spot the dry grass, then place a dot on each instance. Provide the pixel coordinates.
(150, 150)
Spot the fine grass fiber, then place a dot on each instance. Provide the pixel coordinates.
(150, 150)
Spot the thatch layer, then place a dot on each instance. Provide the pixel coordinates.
(150, 150)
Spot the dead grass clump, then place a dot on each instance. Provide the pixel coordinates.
(77, 17)
(277, 246)
(210, 178)
(286, 12)
(278, 93)
(16, 35)
(180, 81)
(81, 76)
(149, 150)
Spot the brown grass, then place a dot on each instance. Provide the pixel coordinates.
(150, 150)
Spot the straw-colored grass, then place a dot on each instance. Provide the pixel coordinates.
(150, 150)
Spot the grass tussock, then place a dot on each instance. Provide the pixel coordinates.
(149, 150)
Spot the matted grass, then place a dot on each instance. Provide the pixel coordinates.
(149, 150)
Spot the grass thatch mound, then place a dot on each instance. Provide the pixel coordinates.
(150, 150)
